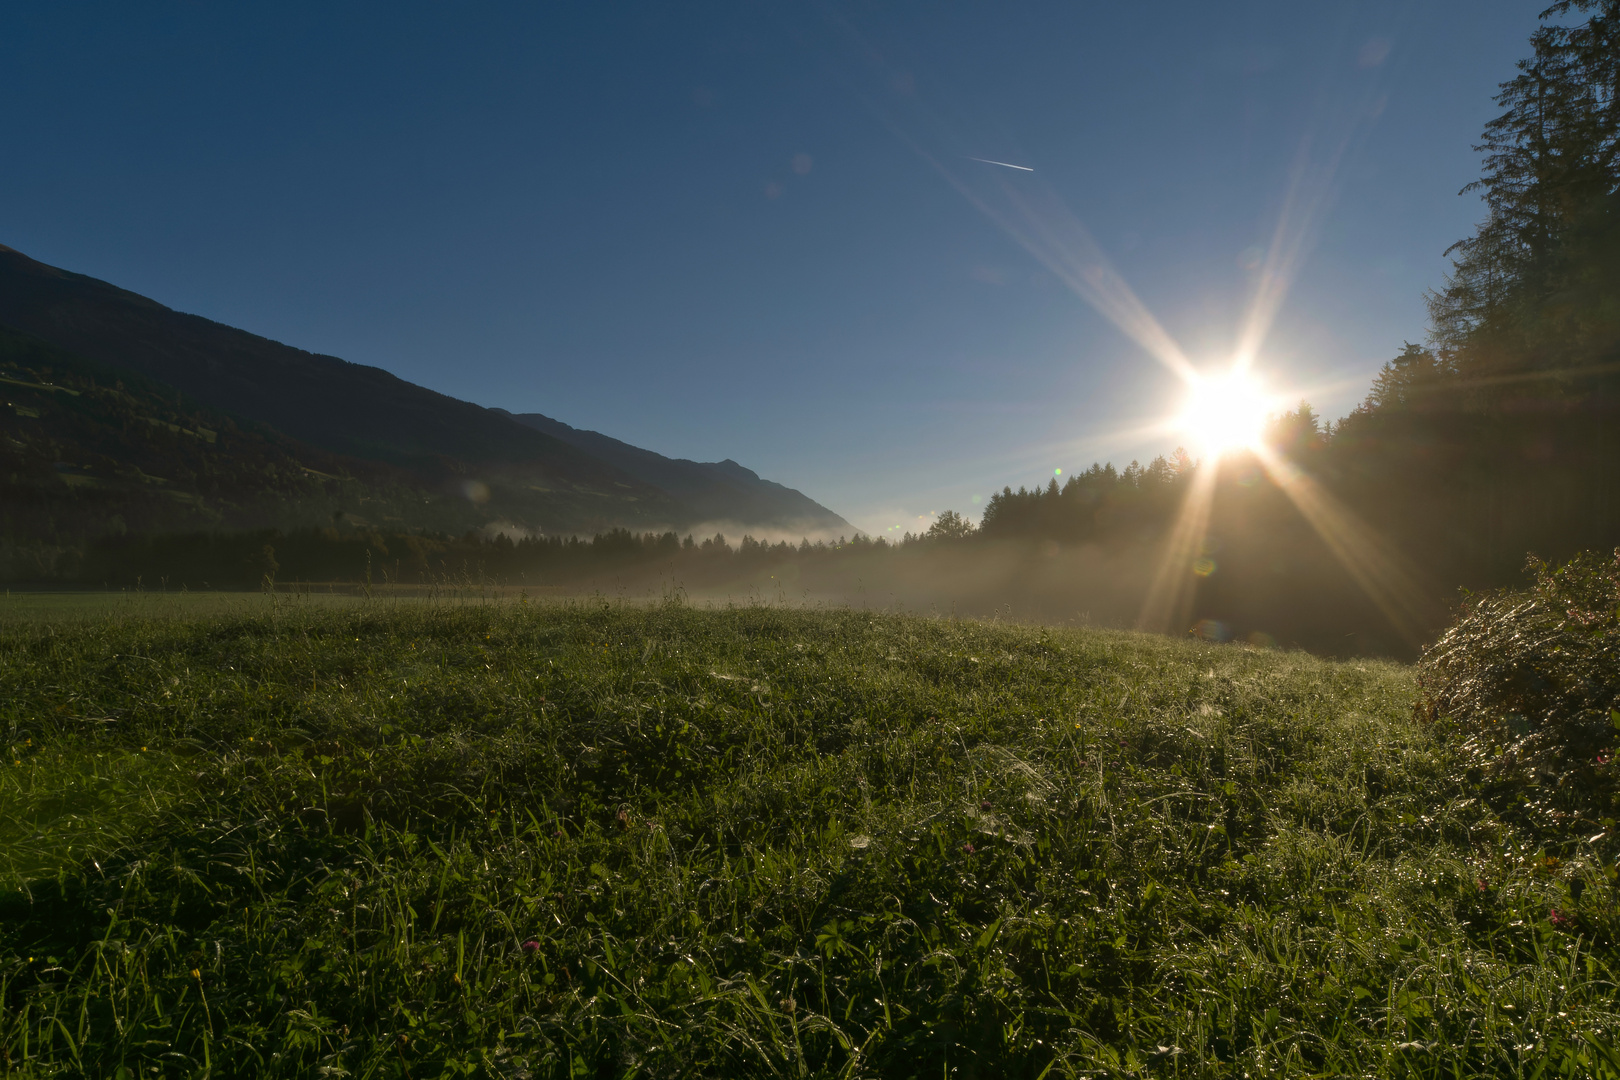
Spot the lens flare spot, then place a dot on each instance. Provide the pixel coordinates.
(1204, 567)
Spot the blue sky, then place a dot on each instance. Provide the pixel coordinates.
(753, 230)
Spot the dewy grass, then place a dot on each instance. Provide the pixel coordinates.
(70, 804)
(599, 840)
(38, 607)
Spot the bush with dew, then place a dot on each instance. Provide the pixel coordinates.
(1530, 680)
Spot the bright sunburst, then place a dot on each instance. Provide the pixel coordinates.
(1224, 412)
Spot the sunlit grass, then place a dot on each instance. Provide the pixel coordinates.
(100, 606)
(66, 806)
(553, 840)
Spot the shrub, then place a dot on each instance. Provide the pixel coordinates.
(1531, 680)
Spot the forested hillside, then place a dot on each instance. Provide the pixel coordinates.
(86, 451)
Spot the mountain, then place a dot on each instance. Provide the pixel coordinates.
(471, 466)
(84, 453)
(718, 493)
(511, 472)
(87, 450)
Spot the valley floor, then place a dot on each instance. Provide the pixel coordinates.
(248, 836)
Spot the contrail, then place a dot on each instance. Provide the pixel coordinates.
(1003, 164)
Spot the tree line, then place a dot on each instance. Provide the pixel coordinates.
(270, 558)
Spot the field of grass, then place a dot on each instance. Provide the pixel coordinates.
(576, 840)
(23, 606)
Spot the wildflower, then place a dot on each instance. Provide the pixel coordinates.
(1603, 759)
(985, 805)
(531, 946)
(1558, 918)
(195, 974)
(1482, 886)
(968, 848)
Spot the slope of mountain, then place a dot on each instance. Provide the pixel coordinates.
(521, 475)
(470, 466)
(716, 493)
(86, 450)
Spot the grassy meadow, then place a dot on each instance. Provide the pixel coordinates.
(329, 837)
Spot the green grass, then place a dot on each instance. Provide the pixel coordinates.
(22, 607)
(414, 839)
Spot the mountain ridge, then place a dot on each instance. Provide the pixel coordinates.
(720, 491)
(511, 473)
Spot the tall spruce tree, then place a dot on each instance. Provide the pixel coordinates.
(1537, 287)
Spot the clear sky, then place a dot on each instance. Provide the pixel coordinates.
(754, 230)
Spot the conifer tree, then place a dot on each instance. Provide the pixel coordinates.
(1533, 287)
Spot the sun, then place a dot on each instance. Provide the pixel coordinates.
(1224, 412)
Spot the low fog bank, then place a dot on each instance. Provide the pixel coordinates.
(1090, 585)
(793, 532)
(1310, 602)
(1271, 586)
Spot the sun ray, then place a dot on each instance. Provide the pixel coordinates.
(1038, 220)
(1388, 579)
(1311, 180)
(1310, 185)
(1079, 453)
(1167, 608)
